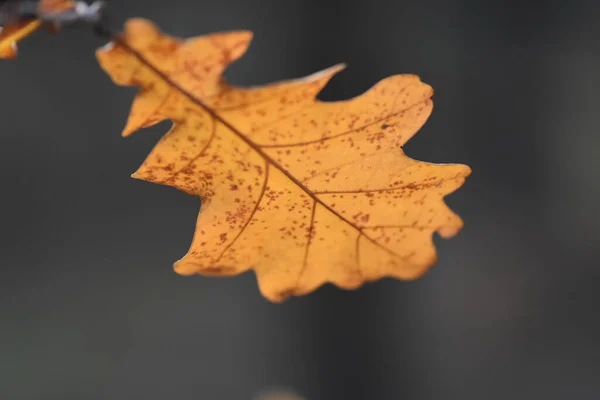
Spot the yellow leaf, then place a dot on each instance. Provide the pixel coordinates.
(20, 29)
(12, 33)
(303, 192)
(49, 7)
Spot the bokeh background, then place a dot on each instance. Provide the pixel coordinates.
(91, 309)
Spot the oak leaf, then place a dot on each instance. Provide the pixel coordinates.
(303, 192)
(14, 32)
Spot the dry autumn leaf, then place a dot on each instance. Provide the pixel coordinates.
(20, 29)
(12, 33)
(303, 192)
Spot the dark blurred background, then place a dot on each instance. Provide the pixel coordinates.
(91, 309)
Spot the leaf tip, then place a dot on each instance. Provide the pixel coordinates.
(231, 44)
(468, 171)
(448, 231)
(278, 297)
(324, 74)
(137, 175)
(128, 131)
(320, 78)
(106, 48)
(184, 268)
(245, 35)
(140, 27)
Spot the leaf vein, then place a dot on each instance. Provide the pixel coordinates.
(308, 242)
(251, 216)
(197, 156)
(354, 130)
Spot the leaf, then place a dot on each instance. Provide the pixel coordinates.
(49, 7)
(18, 30)
(302, 191)
(12, 33)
